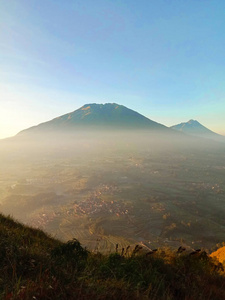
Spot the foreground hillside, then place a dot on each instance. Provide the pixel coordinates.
(36, 266)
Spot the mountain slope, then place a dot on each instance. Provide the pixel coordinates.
(193, 127)
(98, 116)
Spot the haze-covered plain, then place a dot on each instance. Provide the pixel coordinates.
(104, 187)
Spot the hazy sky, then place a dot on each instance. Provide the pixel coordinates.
(162, 58)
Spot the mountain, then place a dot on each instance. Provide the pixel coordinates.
(98, 116)
(193, 127)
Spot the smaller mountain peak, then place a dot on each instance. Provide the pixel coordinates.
(193, 127)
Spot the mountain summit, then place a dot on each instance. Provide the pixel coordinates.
(98, 116)
(193, 127)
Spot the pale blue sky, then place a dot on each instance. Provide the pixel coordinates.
(162, 58)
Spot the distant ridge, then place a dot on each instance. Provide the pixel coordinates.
(98, 116)
(194, 128)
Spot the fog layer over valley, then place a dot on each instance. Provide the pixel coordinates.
(105, 187)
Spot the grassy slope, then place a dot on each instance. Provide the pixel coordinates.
(36, 266)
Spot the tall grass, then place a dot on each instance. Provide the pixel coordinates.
(35, 266)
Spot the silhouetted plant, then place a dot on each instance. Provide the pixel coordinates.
(70, 251)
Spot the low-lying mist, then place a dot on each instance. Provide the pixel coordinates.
(107, 187)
